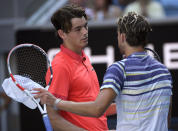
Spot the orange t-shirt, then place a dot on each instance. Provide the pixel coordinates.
(74, 79)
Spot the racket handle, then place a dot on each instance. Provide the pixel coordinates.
(47, 123)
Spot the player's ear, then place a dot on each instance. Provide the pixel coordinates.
(123, 38)
(61, 33)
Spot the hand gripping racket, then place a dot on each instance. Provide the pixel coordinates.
(31, 62)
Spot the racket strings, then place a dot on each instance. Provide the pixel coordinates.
(31, 63)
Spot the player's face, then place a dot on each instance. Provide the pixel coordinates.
(77, 38)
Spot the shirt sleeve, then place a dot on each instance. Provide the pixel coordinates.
(60, 82)
(114, 78)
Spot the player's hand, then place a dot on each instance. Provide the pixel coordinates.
(45, 96)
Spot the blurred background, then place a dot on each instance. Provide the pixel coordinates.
(28, 21)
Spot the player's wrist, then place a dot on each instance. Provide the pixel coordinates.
(56, 103)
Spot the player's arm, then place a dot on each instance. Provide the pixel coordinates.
(103, 101)
(93, 109)
(59, 123)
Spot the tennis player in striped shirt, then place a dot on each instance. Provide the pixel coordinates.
(140, 85)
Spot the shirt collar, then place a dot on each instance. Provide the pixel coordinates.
(138, 54)
(73, 54)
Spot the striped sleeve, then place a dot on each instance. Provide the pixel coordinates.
(114, 77)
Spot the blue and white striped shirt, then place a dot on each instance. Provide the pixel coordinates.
(143, 87)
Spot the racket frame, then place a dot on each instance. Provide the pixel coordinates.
(42, 110)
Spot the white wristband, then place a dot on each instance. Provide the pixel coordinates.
(55, 103)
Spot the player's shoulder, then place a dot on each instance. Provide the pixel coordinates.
(60, 61)
(159, 63)
(118, 65)
(59, 57)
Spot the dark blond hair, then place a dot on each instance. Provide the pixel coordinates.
(135, 27)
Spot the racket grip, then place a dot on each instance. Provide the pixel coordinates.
(47, 123)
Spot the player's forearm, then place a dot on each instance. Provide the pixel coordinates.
(94, 108)
(91, 109)
(59, 123)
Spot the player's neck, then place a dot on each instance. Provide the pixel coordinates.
(130, 50)
(74, 49)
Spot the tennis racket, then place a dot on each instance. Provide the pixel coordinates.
(152, 53)
(30, 61)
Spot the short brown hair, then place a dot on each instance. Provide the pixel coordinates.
(61, 19)
(136, 28)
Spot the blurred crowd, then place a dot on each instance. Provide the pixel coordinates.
(98, 10)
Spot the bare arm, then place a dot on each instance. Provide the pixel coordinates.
(59, 123)
(93, 109)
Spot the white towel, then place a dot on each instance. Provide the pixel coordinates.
(18, 95)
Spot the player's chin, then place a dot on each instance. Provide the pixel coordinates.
(84, 43)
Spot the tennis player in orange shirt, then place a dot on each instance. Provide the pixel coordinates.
(73, 76)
